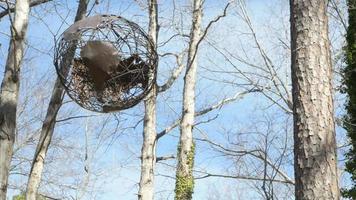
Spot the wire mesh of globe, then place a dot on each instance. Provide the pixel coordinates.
(106, 63)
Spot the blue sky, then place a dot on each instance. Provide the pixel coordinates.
(116, 158)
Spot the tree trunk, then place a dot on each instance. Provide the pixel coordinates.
(184, 175)
(48, 125)
(350, 90)
(10, 90)
(148, 151)
(315, 161)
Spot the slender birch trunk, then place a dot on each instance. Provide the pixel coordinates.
(10, 91)
(55, 103)
(315, 161)
(148, 151)
(184, 175)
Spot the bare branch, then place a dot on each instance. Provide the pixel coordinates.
(165, 158)
(267, 61)
(12, 9)
(241, 177)
(74, 117)
(257, 153)
(175, 74)
(218, 105)
(339, 14)
(207, 29)
(206, 121)
(169, 39)
(262, 89)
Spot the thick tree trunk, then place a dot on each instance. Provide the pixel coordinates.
(55, 103)
(148, 151)
(10, 89)
(184, 175)
(350, 90)
(315, 164)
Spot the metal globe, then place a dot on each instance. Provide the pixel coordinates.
(106, 63)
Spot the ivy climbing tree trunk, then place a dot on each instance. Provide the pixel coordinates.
(315, 161)
(148, 151)
(350, 90)
(48, 125)
(184, 176)
(10, 90)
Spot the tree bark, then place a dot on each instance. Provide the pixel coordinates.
(350, 106)
(148, 151)
(10, 90)
(184, 175)
(55, 103)
(315, 161)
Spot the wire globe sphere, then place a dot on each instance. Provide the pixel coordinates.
(106, 63)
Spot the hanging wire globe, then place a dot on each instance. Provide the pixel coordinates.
(106, 63)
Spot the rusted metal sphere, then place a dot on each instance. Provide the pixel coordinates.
(106, 63)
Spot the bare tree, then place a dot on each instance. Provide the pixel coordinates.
(315, 163)
(10, 90)
(148, 151)
(48, 125)
(257, 159)
(258, 69)
(260, 162)
(184, 175)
